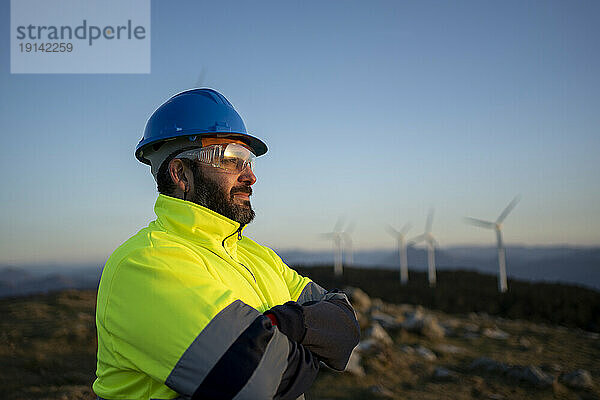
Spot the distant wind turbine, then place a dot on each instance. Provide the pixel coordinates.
(337, 236)
(400, 237)
(497, 226)
(431, 243)
(347, 243)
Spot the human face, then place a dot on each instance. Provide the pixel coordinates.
(221, 191)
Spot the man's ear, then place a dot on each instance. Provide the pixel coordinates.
(177, 170)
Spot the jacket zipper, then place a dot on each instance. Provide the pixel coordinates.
(239, 237)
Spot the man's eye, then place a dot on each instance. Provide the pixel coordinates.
(229, 162)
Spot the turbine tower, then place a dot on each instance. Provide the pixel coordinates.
(348, 248)
(400, 237)
(430, 241)
(337, 236)
(497, 226)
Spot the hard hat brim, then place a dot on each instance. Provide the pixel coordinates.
(258, 146)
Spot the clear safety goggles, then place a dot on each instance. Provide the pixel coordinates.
(231, 157)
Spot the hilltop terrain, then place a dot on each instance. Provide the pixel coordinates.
(407, 351)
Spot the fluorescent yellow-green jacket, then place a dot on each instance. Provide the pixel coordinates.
(179, 311)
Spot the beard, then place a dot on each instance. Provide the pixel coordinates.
(209, 194)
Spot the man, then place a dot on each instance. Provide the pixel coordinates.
(190, 308)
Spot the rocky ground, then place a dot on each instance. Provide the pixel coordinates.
(409, 352)
(48, 345)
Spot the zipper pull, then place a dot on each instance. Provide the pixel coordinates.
(239, 232)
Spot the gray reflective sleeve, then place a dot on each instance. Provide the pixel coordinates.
(241, 355)
(209, 346)
(311, 292)
(264, 382)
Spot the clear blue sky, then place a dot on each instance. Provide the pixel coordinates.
(371, 110)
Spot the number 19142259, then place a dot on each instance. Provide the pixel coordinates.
(46, 47)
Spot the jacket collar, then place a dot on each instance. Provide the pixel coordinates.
(197, 223)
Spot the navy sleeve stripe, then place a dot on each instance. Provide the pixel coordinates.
(209, 347)
(232, 372)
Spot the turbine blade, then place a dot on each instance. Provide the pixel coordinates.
(405, 228)
(479, 222)
(417, 239)
(390, 229)
(328, 235)
(338, 225)
(508, 209)
(429, 220)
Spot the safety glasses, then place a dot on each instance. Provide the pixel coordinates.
(233, 157)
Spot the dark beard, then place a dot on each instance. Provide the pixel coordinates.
(209, 194)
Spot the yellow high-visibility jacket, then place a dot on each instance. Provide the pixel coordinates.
(179, 311)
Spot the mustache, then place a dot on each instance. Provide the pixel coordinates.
(241, 189)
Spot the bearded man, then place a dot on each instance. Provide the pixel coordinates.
(189, 307)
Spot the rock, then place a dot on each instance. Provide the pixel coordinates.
(381, 392)
(407, 350)
(532, 375)
(359, 299)
(591, 335)
(449, 349)
(354, 364)
(485, 364)
(552, 368)
(385, 320)
(425, 325)
(441, 374)
(432, 329)
(471, 335)
(469, 327)
(425, 353)
(376, 338)
(367, 345)
(579, 379)
(377, 304)
(495, 333)
(495, 396)
(413, 321)
(524, 343)
(377, 333)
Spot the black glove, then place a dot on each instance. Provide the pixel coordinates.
(289, 319)
(332, 331)
(327, 328)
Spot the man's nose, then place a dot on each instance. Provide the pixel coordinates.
(247, 176)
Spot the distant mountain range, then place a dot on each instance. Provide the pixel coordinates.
(575, 265)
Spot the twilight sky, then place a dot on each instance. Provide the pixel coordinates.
(374, 111)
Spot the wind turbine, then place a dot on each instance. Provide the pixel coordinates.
(337, 236)
(497, 226)
(347, 243)
(430, 241)
(401, 239)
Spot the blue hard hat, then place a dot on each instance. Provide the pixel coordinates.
(196, 112)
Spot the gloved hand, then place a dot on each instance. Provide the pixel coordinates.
(327, 328)
(289, 318)
(332, 331)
